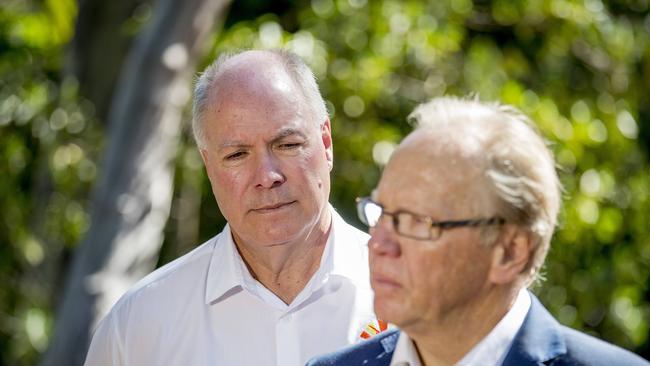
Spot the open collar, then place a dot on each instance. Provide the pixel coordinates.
(349, 260)
(342, 257)
(226, 271)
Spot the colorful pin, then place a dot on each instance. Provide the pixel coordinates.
(374, 328)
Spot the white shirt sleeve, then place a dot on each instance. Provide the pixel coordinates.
(106, 345)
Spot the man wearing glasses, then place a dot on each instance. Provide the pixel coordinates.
(460, 225)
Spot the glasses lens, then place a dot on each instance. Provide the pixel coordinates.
(413, 226)
(369, 212)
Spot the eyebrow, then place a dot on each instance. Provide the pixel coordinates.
(284, 133)
(231, 144)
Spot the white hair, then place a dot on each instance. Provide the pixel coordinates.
(300, 73)
(518, 166)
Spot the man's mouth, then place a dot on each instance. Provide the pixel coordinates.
(383, 282)
(273, 207)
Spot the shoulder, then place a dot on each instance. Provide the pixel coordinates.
(583, 349)
(377, 350)
(181, 277)
(138, 313)
(542, 339)
(190, 264)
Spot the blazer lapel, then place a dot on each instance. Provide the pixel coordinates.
(538, 341)
(385, 352)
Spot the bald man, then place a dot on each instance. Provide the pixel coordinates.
(287, 278)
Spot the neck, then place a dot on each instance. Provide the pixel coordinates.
(285, 269)
(449, 340)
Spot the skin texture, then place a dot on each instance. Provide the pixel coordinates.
(446, 294)
(268, 162)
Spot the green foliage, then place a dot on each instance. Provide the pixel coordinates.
(48, 151)
(580, 69)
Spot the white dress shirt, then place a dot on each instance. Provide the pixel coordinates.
(490, 351)
(205, 308)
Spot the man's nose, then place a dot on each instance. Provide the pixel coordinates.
(384, 239)
(269, 173)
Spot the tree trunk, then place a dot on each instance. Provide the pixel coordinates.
(99, 48)
(94, 57)
(130, 203)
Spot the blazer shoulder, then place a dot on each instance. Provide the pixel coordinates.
(543, 340)
(583, 349)
(377, 350)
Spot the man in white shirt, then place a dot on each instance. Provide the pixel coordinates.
(287, 278)
(461, 222)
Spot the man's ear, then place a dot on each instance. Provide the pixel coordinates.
(511, 254)
(326, 136)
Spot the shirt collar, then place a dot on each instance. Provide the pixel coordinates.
(491, 350)
(348, 261)
(405, 352)
(340, 259)
(227, 270)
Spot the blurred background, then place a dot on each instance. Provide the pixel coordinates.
(100, 181)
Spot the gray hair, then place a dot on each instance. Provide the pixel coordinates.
(518, 166)
(299, 72)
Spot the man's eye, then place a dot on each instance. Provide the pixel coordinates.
(289, 145)
(235, 156)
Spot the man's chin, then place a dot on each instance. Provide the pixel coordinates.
(276, 230)
(387, 311)
(280, 237)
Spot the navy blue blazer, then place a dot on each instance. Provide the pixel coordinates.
(540, 341)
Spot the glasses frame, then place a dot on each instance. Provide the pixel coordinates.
(362, 203)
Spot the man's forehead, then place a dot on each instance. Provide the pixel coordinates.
(240, 107)
(251, 58)
(254, 69)
(421, 172)
(448, 141)
(252, 87)
(429, 153)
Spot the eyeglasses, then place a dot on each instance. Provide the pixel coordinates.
(414, 226)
